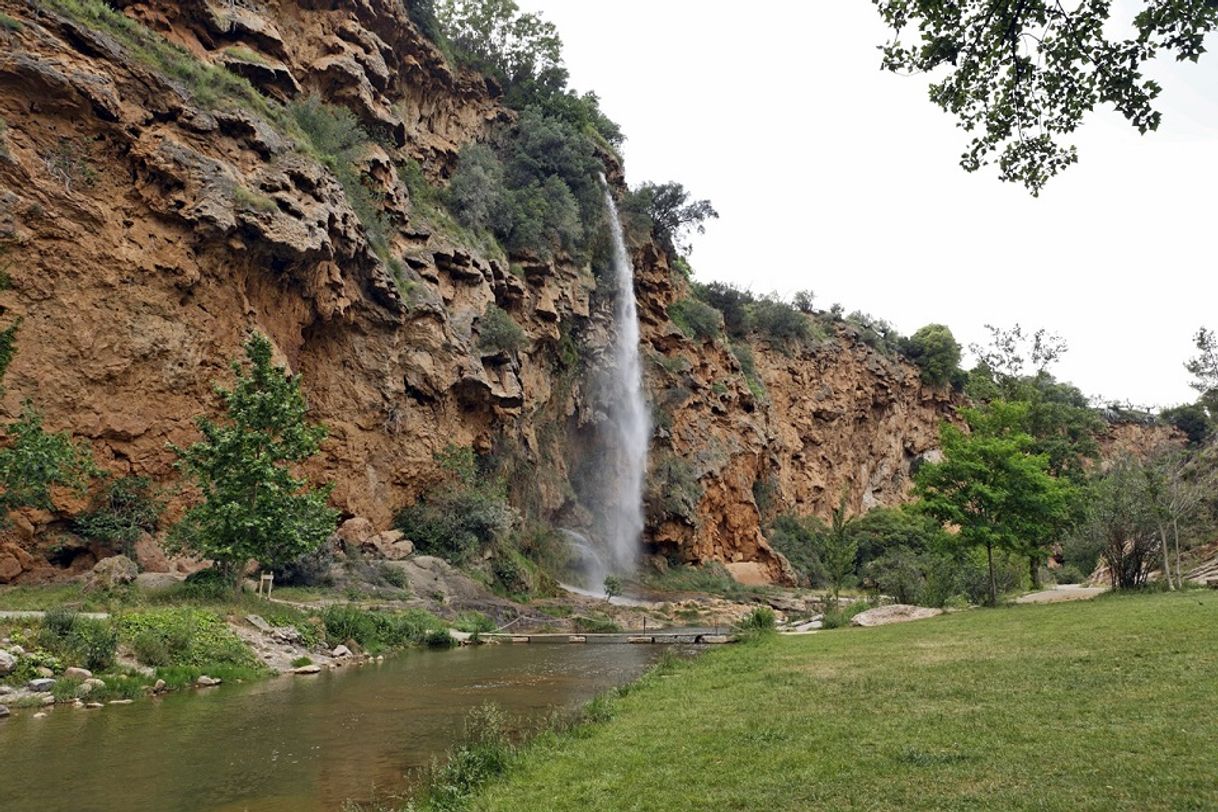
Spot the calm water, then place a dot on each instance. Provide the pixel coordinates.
(299, 744)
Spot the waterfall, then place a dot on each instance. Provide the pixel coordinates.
(617, 493)
(629, 423)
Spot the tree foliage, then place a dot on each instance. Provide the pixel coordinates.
(992, 487)
(1020, 76)
(936, 352)
(252, 506)
(35, 461)
(672, 214)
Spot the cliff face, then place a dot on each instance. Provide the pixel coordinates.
(152, 213)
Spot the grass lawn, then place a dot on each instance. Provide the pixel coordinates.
(1107, 704)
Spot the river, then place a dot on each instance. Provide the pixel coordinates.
(294, 743)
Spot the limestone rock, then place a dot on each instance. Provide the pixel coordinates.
(7, 662)
(893, 613)
(111, 572)
(75, 673)
(155, 583)
(40, 684)
(391, 545)
(4, 711)
(340, 651)
(312, 668)
(207, 682)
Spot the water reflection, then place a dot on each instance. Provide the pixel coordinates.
(308, 743)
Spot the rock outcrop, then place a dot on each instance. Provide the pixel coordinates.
(153, 211)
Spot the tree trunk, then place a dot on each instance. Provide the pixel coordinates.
(1175, 527)
(1034, 570)
(989, 554)
(1166, 557)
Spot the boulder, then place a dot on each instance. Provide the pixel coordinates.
(3, 711)
(95, 684)
(893, 613)
(81, 674)
(155, 583)
(435, 578)
(94, 705)
(111, 572)
(307, 669)
(43, 671)
(207, 682)
(41, 684)
(355, 531)
(159, 687)
(7, 662)
(340, 651)
(149, 555)
(391, 545)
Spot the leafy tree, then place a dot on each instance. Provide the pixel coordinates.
(673, 215)
(1021, 75)
(798, 539)
(1192, 419)
(696, 319)
(253, 507)
(1204, 365)
(992, 488)
(936, 352)
(35, 461)
(804, 300)
(773, 317)
(612, 586)
(837, 549)
(1121, 522)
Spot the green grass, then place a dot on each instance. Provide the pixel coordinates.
(1106, 704)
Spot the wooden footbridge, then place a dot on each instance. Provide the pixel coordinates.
(695, 637)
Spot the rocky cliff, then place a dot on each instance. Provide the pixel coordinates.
(154, 209)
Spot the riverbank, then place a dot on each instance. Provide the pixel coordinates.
(1094, 705)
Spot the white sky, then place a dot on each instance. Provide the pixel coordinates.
(832, 175)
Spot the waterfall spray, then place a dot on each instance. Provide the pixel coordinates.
(627, 429)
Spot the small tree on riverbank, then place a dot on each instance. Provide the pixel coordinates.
(993, 489)
(253, 507)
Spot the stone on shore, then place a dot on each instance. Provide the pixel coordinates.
(41, 684)
(207, 682)
(893, 613)
(7, 662)
(313, 668)
(81, 674)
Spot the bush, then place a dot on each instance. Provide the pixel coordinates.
(376, 631)
(473, 622)
(936, 352)
(839, 615)
(696, 319)
(124, 510)
(732, 302)
(499, 332)
(876, 333)
(797, 538)
(778, 320)
(1069, 574)
(1191, 419)
(456, 524)
(899, 573)
(93, 643)
(760, 620)
(484, 756)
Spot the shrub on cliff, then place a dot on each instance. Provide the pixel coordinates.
(936, 352)
(253, 507)
(461, 516)
(498, 331)
(773, 317)
(35, 461)
(696, 319)
(125, 509)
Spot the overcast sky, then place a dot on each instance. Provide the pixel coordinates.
(831, 175)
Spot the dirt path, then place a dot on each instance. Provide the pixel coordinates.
(1067, 592)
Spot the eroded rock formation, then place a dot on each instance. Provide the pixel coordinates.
(150, 216)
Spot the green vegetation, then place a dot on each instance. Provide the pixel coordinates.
(184, 637)
(35, 460)
(210, 85)
(253, 507)
(379, 631)
(979, 710)
(937, 353)
(256, 201)
(696, 319)
(673, 490)
(536, 190)
(667, 212)
(993, 487)
(499, 332)
(122, 511)
(9, 23)
(1020, 76)
(612, 587)
(461, 516)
